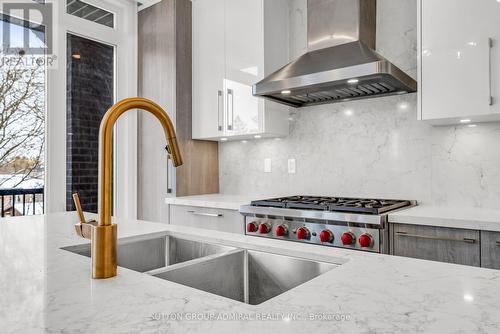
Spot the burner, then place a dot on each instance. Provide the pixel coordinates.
(322, 203)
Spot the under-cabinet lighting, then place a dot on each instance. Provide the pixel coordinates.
(403, 106)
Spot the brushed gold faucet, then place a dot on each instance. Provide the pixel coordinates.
(103, 234)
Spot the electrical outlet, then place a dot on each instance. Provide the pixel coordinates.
(291, 166)
(267, 165)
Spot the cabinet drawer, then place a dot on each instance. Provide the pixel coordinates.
(436, 243)
(207, 218)
(490, 250)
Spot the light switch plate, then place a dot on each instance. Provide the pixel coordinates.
(267, 165)
(291, 166)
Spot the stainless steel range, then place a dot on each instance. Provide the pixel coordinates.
(352, 223)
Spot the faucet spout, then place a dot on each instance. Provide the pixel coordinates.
(103, 234)
(106, 147)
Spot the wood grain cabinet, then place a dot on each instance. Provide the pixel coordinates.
(436, 243)
(164, 55)
(490, 250)
(459, 61)
(207, 218)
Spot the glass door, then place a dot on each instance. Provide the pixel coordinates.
(90, 93)
(96, 67)
(22, 118)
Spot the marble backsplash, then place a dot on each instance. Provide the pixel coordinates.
(371, 148)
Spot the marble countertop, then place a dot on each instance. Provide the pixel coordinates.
(455, 217)
(216, 201)
(48, 290)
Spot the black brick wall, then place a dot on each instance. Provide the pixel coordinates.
(90, 93)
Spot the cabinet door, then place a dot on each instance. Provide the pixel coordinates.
(244, 40)
(460, 70)
(490, 250)
(207, 218)
(208, 68)
(436, 244)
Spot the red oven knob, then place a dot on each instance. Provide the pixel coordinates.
(348, 239)
(264, 228)
(326, 236)
(281, 231)
(303, 233)
(365, 240)
(252, 227)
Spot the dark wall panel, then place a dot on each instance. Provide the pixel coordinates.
(90, 93)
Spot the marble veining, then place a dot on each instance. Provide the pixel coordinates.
(49, 290)
(371, 148)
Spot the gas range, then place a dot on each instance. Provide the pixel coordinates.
(352, 223)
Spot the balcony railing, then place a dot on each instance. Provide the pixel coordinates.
(21, 202)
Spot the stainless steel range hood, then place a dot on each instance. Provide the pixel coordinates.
(341, 64)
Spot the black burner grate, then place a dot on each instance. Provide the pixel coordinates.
(354, 205)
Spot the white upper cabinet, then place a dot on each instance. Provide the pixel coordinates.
(208, 68)
(235, 44)
(459, 63)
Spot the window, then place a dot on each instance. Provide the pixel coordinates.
(88, 12)
(22, 121)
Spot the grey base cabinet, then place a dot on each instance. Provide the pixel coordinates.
(490, 250)
(207, 218)
(436, 243)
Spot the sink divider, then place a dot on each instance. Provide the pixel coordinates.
(168, 268)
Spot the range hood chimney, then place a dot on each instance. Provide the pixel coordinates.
(341, 64)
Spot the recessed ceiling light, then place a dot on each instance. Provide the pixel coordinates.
(257, 136)
(77, 56)
(285, 92)
(472, 125)
(223, 139)
(465, 121)
(352, 81)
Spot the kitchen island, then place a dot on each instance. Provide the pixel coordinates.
(46, 289)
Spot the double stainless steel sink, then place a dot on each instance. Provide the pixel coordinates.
(248, 276)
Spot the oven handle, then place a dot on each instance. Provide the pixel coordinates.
(430, 237)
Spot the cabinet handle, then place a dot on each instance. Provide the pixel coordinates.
(430, 237)
(205, 214)
(230, 106)
(490, 47)
(219, 113)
